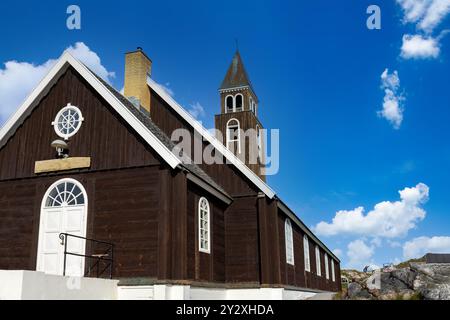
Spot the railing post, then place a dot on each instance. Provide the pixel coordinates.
(111, 265)
(64, 238)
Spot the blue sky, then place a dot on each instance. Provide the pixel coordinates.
(317, 71)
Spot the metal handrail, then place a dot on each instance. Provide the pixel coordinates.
(109, 253)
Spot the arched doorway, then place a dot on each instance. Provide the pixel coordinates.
(63, 210)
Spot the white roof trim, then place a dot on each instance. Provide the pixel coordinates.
(57, 70)
(211, 139)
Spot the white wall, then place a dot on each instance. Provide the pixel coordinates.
(27, 285)
(33, 285)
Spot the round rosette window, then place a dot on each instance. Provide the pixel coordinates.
(68, 121)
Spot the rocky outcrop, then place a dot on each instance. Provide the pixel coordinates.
(417, 281)
(433, 281)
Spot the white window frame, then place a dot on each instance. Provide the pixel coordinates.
(259, 141)
(327, 270)
(55, 123)
(318, 267)
(333, 275)
(306, 253)
(289, 242)
(233, 104)
(201, 237)
(238, 140)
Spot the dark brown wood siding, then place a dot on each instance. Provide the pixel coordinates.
(242, 242)
(296, 275)
(118, 201)
(292, 275)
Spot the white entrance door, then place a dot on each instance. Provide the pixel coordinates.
(64, 210)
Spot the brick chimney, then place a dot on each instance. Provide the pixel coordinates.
(137, 68)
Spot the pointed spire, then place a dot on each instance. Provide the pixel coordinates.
(236, 75)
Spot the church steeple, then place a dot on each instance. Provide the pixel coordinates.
(236, 75)
(238, 121)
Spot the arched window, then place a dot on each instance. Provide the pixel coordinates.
(239, 102)
(66, 193)
(327, 270)
(333, 277)
(318, 269)
(204, 226)
(250, 104)
(233, 135)
(229, 104)
(306, 253)
(289, 242)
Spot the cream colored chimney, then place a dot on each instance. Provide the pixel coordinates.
(137, 68)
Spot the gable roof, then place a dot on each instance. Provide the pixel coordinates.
(236, 75)
(54, 74)
(140, 122)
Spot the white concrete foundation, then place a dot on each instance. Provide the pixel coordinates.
(33, 285)
(178, 292)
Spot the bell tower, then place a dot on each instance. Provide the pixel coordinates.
(238, 119)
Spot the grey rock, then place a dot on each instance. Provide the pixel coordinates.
(357, 291)
(420, 280)
(433, 281)
(405, 275)
(390, 284)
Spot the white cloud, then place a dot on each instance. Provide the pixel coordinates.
(419, 47)
(359, 254)
(386, 220)
(18, 79)
(338, 252)
(418, 247)
(426, 14)
(167, 89)
(436, 12)
(91, 60)
(392, 103)
(196, 110)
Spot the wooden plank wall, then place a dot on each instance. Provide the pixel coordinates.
(203, 266)
(269, 249)
(103, 135)
(242, 238)
(172, 231)
(118, 201)
(295, 275)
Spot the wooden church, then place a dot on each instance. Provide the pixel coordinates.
(91, 186)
